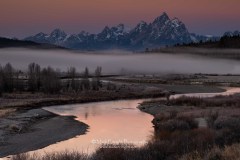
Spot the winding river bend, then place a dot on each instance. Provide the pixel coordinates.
(111, 122)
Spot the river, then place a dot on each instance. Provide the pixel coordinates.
(111, 122)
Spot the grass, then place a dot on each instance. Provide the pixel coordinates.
(166, 144)
(218, 101)
(176, 136)
(231, 152)
(179, 133)
(52, 156)
(172, 122)
(5, 112)
(27, 100)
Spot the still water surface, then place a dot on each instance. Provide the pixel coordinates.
(111, 122)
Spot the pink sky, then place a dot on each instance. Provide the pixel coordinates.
(21, 18)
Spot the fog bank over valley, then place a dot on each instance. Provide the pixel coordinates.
(116, 61)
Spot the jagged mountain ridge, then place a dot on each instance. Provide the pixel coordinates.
(161, 32)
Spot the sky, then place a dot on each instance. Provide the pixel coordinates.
(21, 18)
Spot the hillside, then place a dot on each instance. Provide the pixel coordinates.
(14, 43)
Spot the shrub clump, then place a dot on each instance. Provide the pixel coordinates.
(228, 130)
(172, 123)
(218, 101)
(53, 156)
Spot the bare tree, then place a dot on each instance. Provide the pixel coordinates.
(98, 71)
(18, 83)
(50, 81)
(96, 83)
(34, 73)
(85, 81)
(8, 77)
(1, 80)
(72, 74)
(86, 72)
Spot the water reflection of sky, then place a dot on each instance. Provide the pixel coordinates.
(115, 121)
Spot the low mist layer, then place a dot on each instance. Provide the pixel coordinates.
(118, 61)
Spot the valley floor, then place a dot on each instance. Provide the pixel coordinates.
(24, 123)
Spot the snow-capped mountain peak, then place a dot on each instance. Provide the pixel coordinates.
(84, 33)
(162, 19)
(162, 31)
(106, 29)
(58, 33)
(176, 22)
(141, 26)
(142, 23)
(41, 35)
(236, 33)
(120, 27)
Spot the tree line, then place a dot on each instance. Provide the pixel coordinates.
(224, 42)
(47, 79)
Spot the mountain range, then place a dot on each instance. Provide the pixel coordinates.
(163, 31)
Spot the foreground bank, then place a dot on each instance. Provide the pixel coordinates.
(24, 126)
(33, 129)
(197, 126)
(179, 134)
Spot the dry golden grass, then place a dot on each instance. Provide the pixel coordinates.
(191, 156)
(227, 153)
(5, 112)
(231, 152)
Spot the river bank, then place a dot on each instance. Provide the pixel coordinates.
(25, 101)
(36, 128)
(197, 126)
(11, 102)
(199, 106)
(24, 108)
(192, 103)
(24, 123)
(179, 133)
